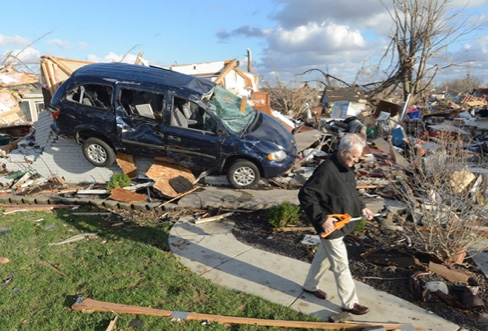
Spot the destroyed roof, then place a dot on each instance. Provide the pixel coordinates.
(9, 77)
(346, 94)
(152, 75)
(55, 70)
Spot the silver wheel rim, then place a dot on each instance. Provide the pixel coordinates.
(244, 176)
(96, 153)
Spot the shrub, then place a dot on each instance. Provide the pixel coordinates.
(360, 226)
(447, 215)
(119, 180)
(284, 214)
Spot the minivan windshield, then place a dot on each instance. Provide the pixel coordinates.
(227, 106)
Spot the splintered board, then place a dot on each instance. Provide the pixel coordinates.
(162, 172)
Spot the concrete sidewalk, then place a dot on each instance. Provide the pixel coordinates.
(212, 251)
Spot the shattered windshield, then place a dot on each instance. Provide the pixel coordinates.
(227, 106)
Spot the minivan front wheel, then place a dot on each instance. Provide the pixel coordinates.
(243, 174)
(98, 152)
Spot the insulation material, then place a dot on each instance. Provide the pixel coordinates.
(10, 112)
(10, 78)
(162, 172)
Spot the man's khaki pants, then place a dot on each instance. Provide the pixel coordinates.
(332, 254)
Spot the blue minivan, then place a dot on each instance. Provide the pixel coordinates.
(149, 111)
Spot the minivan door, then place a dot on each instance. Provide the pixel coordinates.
(193, 137)
(140, 122)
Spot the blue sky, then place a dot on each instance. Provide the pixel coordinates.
(286, 37)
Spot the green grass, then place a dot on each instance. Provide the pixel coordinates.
(129, 264)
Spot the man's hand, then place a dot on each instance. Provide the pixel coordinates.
(368, 214)
(328, 226)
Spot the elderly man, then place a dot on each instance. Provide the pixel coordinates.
(332, 190)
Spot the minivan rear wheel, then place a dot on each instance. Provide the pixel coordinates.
(98, 152)
(243, 174)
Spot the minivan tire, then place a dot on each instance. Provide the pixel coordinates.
(98, 152)
(243, 174)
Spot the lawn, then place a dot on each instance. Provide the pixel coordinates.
(128, 262)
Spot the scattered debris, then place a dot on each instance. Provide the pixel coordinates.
(162, 172)
(50, 266)
(7, 280)
(4, 260)
(76, 238)
(123, 195)
(212, 218)
(450, 274)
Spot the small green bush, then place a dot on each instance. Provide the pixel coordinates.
(119, 180)
(284, 214)
(360, 226)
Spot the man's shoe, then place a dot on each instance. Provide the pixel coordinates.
(319, 293)
(357, 309)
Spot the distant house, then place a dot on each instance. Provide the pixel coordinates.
(20, 97)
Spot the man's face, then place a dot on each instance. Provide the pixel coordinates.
(350, 158)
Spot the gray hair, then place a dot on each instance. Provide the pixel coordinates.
(349, 141)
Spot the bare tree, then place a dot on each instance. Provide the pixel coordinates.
(422, 29)
(293, 99)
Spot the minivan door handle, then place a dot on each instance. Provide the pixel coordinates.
(174, 138)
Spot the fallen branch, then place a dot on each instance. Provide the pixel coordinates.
(89, 305)
(50, 266)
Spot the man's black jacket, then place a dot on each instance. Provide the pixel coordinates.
(331, 190)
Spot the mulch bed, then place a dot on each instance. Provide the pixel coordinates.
(254, 230)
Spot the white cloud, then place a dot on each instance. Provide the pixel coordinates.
(113, 57)
(28, 55)
(83, 45)
(60, 43)
(13, 41)
(327, 37)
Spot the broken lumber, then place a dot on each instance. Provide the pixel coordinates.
(296, 228)
(179, 196)
(90, 305)
(212, 218)
(78, 237)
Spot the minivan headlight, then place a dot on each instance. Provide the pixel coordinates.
(277, 156)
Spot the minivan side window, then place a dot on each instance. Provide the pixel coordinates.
(142, 103)
(95, 95)
(188, 114)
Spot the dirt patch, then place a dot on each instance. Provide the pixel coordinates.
(254, 230)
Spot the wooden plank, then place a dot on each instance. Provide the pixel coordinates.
(228, 68)
(179, 196)
(212, 218)
(90, 305)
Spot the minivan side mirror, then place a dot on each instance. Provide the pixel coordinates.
(221, 132)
